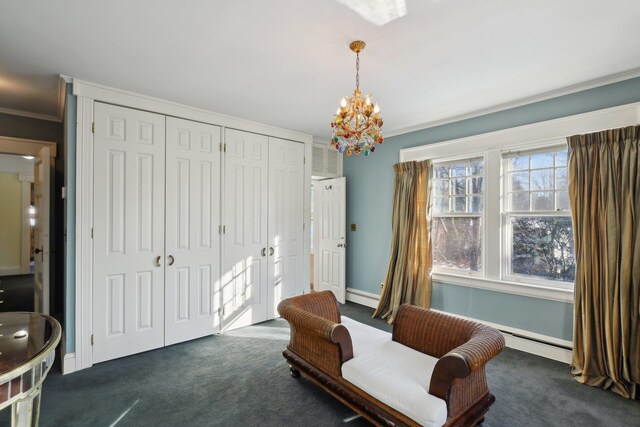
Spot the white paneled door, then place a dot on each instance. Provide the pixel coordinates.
(128, 269)
(244, 265)
(42, 196)
(286, 220)
(192, 283)
(330, 213)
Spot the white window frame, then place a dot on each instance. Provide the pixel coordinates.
(491, 145)
(507, 214)
(481, 215)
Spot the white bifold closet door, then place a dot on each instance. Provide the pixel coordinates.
(128, 271)
(286, 221)
(244, 265)
(192, 242)
(263, 218)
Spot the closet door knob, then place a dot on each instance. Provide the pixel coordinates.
(156, 261)
(271, 251)
(263, 251)
(171, 260)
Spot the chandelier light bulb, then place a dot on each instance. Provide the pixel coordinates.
(357, 123)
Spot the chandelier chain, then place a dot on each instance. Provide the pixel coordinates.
(357, 70)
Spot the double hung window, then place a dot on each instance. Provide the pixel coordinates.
(504, 216)
(457, 209)
(538, 229)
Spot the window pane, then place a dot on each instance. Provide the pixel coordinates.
(520, 181)
(520, 202)
(457, 170)
(542, 201)
(561, 178)
(542, 179)
(519, 163)
(561, 158)
(442, 171)
(440, 205)
(456, 243)
(441, 187)
(562, 200)
(459, 204)
(543, 247)
(474, 168)
(475, 185)
(475, 204)
(459, 186)
(542, 160)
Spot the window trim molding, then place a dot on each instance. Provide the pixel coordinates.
(491, 145)
(507, 287)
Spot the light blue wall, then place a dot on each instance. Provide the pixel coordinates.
(369, 200)
(70, 220)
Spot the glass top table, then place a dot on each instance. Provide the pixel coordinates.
(27, 352)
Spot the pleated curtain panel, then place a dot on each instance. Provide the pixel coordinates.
(408, 278)
(604, 192)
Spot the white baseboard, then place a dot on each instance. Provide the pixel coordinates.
(363, 298)
(529, 342)
(69, 363)
(518, 339)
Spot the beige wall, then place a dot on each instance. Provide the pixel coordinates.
(10, 222)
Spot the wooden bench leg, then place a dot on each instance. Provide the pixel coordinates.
(294, 372)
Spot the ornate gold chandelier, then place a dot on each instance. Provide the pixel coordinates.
(356, 125)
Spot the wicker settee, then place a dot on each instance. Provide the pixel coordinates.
(325, 347)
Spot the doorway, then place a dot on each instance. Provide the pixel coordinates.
(328, 236)
(16, 233)
(25, 191)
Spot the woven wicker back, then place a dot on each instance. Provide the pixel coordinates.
(322, 304)
(440, 333)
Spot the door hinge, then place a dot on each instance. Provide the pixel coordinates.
(304, 160)
(222, 229)
(223, 146)
(92, 232)
(93, 127)
(221, 311)
(91, 339)
(303, 226)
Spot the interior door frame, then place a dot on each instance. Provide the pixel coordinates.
(86, 94)
(30, 147)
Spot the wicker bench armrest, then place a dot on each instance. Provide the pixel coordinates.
(460, 362)
(321, 342)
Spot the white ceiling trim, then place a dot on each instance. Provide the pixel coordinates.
(519, 103)
(30, 115)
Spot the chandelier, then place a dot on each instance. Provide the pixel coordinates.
(356, 125)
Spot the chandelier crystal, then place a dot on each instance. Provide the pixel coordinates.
(357, 123)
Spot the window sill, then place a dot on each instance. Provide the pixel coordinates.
(522, 289)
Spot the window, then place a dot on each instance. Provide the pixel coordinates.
(538, 229)
(503, 217)
(457, 205)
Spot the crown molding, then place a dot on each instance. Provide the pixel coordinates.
(30, 115)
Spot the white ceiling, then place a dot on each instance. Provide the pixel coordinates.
(287, 62)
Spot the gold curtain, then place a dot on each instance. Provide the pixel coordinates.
(408, 278)
(604, 192)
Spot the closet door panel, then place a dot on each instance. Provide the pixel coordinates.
(192, 239)
(286, 219)
(128, 281)
(244, 267)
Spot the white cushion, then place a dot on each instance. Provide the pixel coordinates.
(393, 373)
